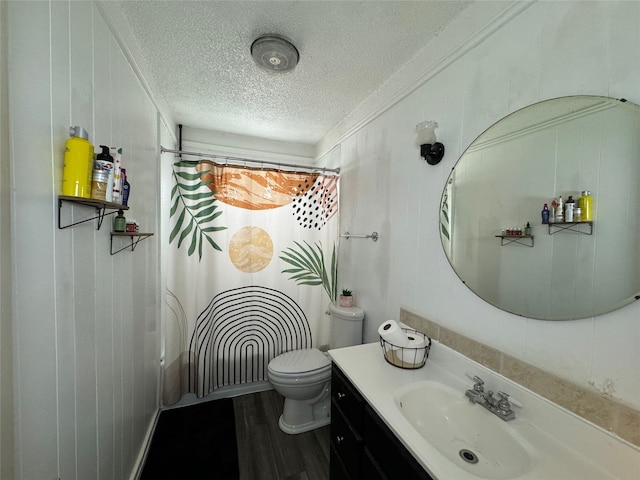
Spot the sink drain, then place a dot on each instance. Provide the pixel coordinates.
(468, 456)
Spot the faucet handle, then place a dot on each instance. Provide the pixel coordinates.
(503, 403)
(478, 386)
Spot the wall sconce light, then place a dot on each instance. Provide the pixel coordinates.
(431, 150)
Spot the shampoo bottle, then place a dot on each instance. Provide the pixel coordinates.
(125, 187)
(116, 188)
(560, 210)
(545, 214)
(78, 164)
(104, 164)
(568, 209)
(586, 206)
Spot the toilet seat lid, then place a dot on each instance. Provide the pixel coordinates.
(300, 361)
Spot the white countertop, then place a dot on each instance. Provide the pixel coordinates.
(567, 446)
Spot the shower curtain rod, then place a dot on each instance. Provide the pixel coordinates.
(245, 160)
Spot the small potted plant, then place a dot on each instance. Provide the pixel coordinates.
(346, 299)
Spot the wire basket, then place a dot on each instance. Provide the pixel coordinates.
(407, 357)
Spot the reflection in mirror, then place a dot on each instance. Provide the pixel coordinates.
(502, 181)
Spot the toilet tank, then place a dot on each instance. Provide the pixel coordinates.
(346, 325)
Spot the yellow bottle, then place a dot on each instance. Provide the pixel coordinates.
(78, 164)
(586, 206)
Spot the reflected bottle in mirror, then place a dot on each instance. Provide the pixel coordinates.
(545, 214)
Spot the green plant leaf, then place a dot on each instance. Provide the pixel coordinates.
(185, 232)
(309, 267)
(334, 275)
(197, 196)
(212, 243)
(186, 163)
(191, 176)
(177, 227)
(194, 243)
(174, 207)
(191, 201)
(205, 212)
(444, 231)
(189, 188)
(202, 204)
(213, 229)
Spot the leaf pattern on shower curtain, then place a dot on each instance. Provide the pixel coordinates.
(309, 267)
(195, 208)
(445, 215)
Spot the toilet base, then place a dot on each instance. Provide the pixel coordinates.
(306, 427)
(302, 416)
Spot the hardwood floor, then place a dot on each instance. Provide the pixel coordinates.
(267, 453)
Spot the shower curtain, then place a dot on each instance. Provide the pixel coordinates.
(252, 269)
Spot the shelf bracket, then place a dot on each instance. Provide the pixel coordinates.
(134, 237)
(570, 227)
(101, 210)
(519, 239)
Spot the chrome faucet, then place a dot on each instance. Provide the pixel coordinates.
(498, 406)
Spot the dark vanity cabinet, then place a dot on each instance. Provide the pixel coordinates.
(362, 446)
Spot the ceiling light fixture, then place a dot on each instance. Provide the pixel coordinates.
(274, 53)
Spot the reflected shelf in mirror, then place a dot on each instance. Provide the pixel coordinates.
(526, 240)
(575, 227)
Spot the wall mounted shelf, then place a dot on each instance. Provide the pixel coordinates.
(135, 238)
(101, 207)
(526, 240)
(575, 227)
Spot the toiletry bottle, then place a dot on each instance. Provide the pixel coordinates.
(568, 209)
(116, 195)
(560, 210)
(104, 163)
(99, 185)
(545, 214)
(586, 206)
(577, 214)
(125, 187)
(78, 164)
(527, 229)
(120, 222)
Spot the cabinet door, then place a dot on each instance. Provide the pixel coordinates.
(346, 443)
(370, 468)
(388, 452)
(347, 399)
(337, 470)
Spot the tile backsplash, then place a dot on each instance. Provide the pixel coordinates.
(593, 406)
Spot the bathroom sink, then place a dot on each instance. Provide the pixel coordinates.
(466, 434)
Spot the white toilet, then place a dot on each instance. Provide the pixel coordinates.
(303, 377)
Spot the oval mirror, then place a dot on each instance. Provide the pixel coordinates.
(561, 270)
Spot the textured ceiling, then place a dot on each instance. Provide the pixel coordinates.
(198, 59)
